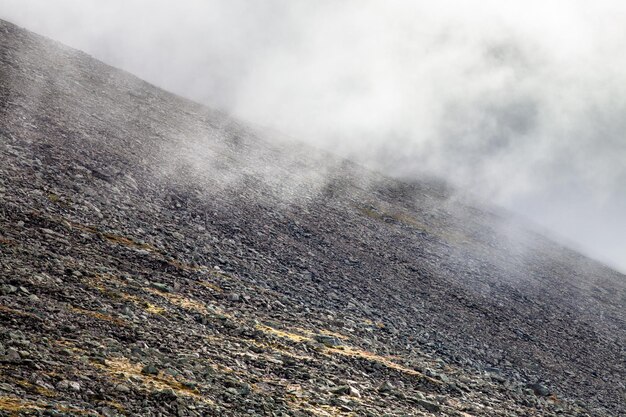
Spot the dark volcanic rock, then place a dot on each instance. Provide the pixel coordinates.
(138, 228)
(540, 389)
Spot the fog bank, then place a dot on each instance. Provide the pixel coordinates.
(521, 103)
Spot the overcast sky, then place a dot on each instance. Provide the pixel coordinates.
(520, 102)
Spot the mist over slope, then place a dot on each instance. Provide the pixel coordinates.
(520, 102)
(141, 229)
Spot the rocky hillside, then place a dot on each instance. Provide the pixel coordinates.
(159, 258)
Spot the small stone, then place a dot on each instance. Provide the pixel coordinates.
(346, 390)
(161, 286)
(386, 387)
(63, 385)
(150, 370)
(328, 341)
(108, 412)
(233, 297)
(167, 394)
(540, 389)
(122, 388)
(8, 289)
(74, 386)
(246, 389)
(341, 390)
(6, 387)
(428, 405)
(127, 311)
(12, 355)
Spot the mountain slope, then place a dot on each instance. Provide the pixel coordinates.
(159, 258)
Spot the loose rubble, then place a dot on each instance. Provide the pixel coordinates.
(158, 258)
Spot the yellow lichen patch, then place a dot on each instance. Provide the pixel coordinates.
(7, 242)
(54, 198)
(219, 274)
(183, 302)
(97, 283)
(45, 391)
(73, 410)
(124, 241)
(457, 405)
(114, 404)
(153, 309)
(128, 241)
(108, 279)
(318, 410)
(123, 367)
(284, 334)
(181, 265)
(9, 310)
(386, 361)
(112, 237)
(132, 243)
(34, 388)
(69, 345)
(146, 305)
(331, 333)
(369, 212)
(132, 298)
(407, 219)
(283, 350)
(211, 286)
(369, 322)
(99, 316)
(299, 334)
(17, 405)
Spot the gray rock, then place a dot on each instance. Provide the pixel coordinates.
(386, 387)
(150, 370)
(122, 388)
(428, 405)
(63, 385)
(74, 386)
(540, 389)
(233, 297)
(7, 289)
(12, 355)
(329, 341)
(108, 412)
(161, 286)
(6, 387)
(341, 390)
(346, 390)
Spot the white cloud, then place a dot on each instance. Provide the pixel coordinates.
(520, 101)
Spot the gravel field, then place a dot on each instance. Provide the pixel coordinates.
(160, 258)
